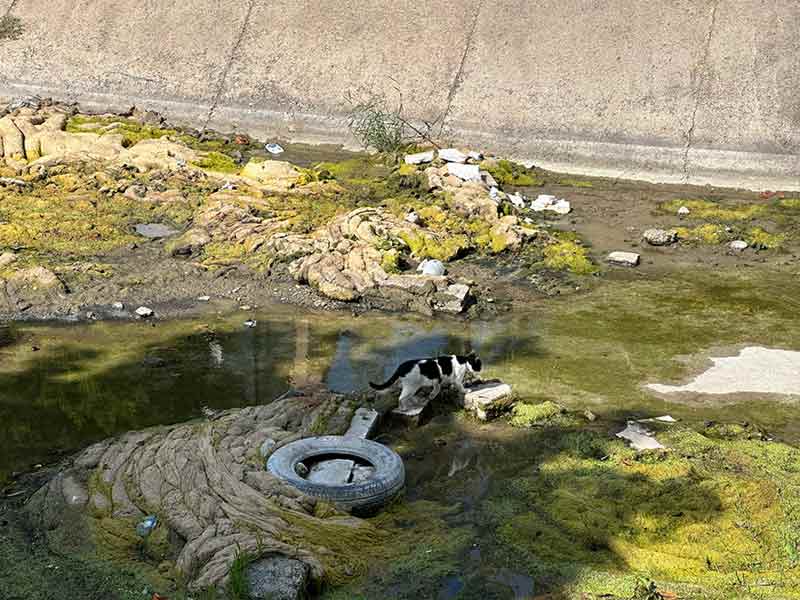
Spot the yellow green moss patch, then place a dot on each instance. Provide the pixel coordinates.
(132, 131)
(528, 415)
(703, 234)
(425, 246)
(218, 162)
(506, 172)
(762, 240)
(706, 209)
(567, 255)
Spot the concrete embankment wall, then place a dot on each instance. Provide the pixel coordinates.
(705, 91)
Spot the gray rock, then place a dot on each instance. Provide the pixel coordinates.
(155, 231)
(362, 473)
(10, 181)
(625, 259)
(419, 158)
(278, 578)
(454, 299)
(660, 237)
(363, 423)
(452, 155)
(464, 172)
(739, 245)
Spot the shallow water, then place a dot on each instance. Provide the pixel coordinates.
(64, 386)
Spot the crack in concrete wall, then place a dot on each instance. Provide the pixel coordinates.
(228, 64)
(10, 8)
(701, 69)
(459, 76)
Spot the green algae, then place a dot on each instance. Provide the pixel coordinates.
(131, 130)
(217, 162)
(528, 415)
(507, 172)
(709, 234)
(568, 255)
(715, 211)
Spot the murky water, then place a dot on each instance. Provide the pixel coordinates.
(64, 386)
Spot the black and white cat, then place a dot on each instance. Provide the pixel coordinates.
(413, 375)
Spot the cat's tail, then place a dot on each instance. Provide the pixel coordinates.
(380, 387)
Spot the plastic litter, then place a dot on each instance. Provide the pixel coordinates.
(274, 148)
(432, 267)
(146, 526)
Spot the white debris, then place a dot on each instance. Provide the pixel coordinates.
(547, 202)
(739, 245)
(419, 158)
(683, 211)
(413, 218)
(639, 437)
(494, 193)
(118, 306)
(661, 419)
(517, 200)
(464, 172)
(432, 267)
(144, 312)
(250, 323)
(203, 298)
(626, 259)
(475, 155)
(451, 155)
(274, 148)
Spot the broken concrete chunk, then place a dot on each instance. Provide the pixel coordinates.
(362, 473)
(550, 203)
(419, 158)
(451, 155)
(331, 472)
(363, 423)
(639, 437)
(464, 172)
(625, 259)
(488, 400)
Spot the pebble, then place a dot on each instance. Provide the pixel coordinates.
(683, 211)
(144, 312)
(739, 245)
(419, 158)
(452, 155)
(118, 306)
(203, 298)
(626, 259)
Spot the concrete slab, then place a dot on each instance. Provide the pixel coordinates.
(331, 472)
(754, 370)
(363, 423)
(488, 399)
(300, 59)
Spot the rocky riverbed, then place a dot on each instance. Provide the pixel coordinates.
(122, 221)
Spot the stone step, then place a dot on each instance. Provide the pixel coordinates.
(488, 399)
(363, 423)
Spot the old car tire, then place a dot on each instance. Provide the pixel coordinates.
(360, 498)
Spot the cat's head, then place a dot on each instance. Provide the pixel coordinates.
(474, 362)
